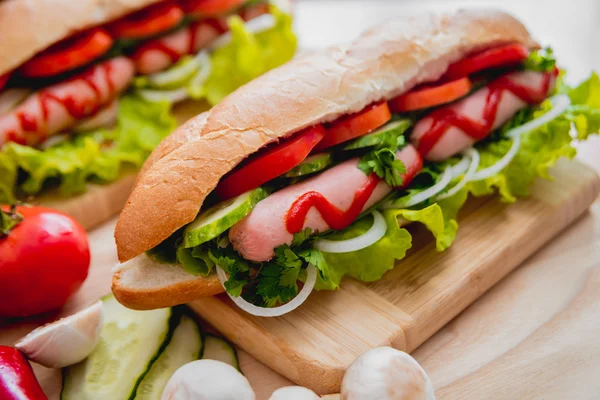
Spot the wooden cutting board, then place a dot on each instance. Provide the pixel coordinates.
(313, 345)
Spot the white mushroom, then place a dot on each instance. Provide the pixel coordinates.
(294, 393)
(385, 373)
(66, 341)
(207, 380)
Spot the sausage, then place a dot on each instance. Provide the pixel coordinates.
(260, 232)
(454, 140)
(61, 106)
(158, 54)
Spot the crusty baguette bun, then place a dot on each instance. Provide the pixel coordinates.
(382, 63)
(143, 284)
(30, 26)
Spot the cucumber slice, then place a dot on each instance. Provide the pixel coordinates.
(185, 346)
(211, 223)
(216, 348)
(310, 165)
(129, 342)
(388, 132)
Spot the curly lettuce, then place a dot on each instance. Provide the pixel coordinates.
(97, 156)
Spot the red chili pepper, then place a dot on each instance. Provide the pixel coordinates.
(17, 380)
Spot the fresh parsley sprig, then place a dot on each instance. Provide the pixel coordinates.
(384, 164)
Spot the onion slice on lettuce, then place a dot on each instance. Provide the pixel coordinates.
(311, 278)
(373, 235)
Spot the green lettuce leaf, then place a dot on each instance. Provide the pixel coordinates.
(543, 147)
(97, 156)
(247, 56)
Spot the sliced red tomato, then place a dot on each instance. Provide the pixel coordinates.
(210, 8)
(150, 21)
(68, 54)
(270, 163)
(496, 57)
(431, 96)
(4, 80)
(355, 125)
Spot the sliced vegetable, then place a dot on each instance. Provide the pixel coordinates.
(473, 156)
(129, 342)
(503, 56)
(431, 96)
(312, 164)
(371, 236)
(216, 348)
(211, 223)
(180, 73)
(311, 278)
(355, 125)
(68, 54)
(149, 21)
(413, 200)
(185, 346)
(389, 135)
(164, 96)
(270, 163)
(210, 8)
(17, 380)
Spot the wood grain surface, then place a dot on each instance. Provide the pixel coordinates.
(532, 336)
(314, 345)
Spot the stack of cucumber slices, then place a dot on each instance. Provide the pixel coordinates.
(139, 351)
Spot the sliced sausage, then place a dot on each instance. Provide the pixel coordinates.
(260, 232)
(60, 106)
(158, 54)
(535, 85)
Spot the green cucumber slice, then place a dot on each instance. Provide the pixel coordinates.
(216, 348)
(310, 165)
(185, 346)
(129, 342)
(211, 223)
(391, 132)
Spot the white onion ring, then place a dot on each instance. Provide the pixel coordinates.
(311, 279)
(205, 69)
(156, 96)
(501, 164)
(430, 192)
(373, 235)
(560, 103)
(472, 155)
(461, 167)
(255, 25)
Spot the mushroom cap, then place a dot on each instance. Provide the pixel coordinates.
(385, 373)
(294, 393)
(207, 380)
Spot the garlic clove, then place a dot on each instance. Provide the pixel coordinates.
(387, 374)
(294, 393)
(66, 341)
(207, 380)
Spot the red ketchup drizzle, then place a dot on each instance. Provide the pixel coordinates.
(333, 216)
(159, 46)
(76, 108)
(445, 118)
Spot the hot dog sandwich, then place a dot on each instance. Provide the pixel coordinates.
(308, 173)
(87, 87)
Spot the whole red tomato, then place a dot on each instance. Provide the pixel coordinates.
(44, 259)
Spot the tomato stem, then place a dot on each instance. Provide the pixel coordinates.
(8, 220)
